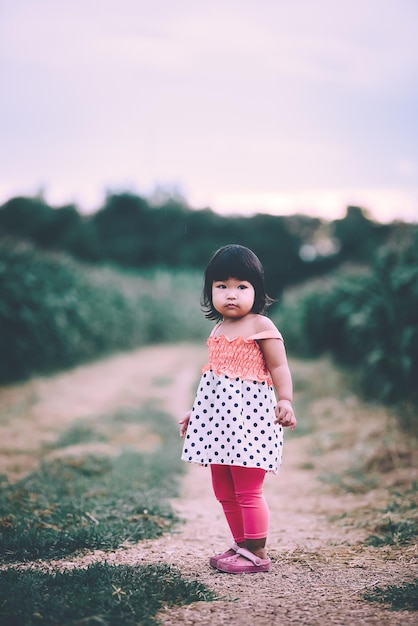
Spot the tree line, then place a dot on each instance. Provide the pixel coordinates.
(133, 232)
(140, 259)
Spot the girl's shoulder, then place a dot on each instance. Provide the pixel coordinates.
(264, 328)
(255, 327)
(263, 323)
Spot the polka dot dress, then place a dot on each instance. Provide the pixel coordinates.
(232, 423)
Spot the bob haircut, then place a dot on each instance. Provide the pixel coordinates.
(234, 261)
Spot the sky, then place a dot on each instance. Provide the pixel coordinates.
(243, 106)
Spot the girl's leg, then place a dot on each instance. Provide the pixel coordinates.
(224, 490)
(248, 486)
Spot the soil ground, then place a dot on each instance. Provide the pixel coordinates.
(321, 565)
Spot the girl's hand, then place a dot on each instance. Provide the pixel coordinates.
(285, 415)
(184, 423)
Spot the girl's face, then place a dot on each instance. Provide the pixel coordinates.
(233, 298)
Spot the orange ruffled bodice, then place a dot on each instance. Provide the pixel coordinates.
(239, 357)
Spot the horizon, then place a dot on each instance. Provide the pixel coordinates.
(326, 205)
(158, 197)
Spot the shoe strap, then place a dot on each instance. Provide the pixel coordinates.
(249, 555)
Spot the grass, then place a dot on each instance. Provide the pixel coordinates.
(392, 533)
(91, 501)
(352, 480)
(79, 433)
(82, 500)
(398, 523)
(404, 597)
(101, 594)
(362, 461)
(311, 379)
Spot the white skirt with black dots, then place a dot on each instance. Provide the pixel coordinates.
(232, 423)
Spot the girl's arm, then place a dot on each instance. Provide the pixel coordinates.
(184, 423)
(276, 360)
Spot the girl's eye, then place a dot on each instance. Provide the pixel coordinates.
(220, 286)
(242, 287)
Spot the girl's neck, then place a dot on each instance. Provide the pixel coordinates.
(243, 326)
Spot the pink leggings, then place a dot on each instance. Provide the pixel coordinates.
(240, 491)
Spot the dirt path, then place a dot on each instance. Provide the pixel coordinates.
(320, 567)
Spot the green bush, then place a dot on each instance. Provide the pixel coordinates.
(55, 312)
(366, 318)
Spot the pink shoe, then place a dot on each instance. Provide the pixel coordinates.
(243, 562)
(213, 561)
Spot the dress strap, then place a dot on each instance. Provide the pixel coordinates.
(273, 333)
(214, 329)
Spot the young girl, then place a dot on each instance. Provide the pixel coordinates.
(235, 425)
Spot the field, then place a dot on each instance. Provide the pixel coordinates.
(101, 523)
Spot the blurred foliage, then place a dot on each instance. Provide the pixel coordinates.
(367, 318)
(358, 236)
(56, 312)
(134, 232)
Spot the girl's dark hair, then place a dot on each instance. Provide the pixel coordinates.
(234, 261)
